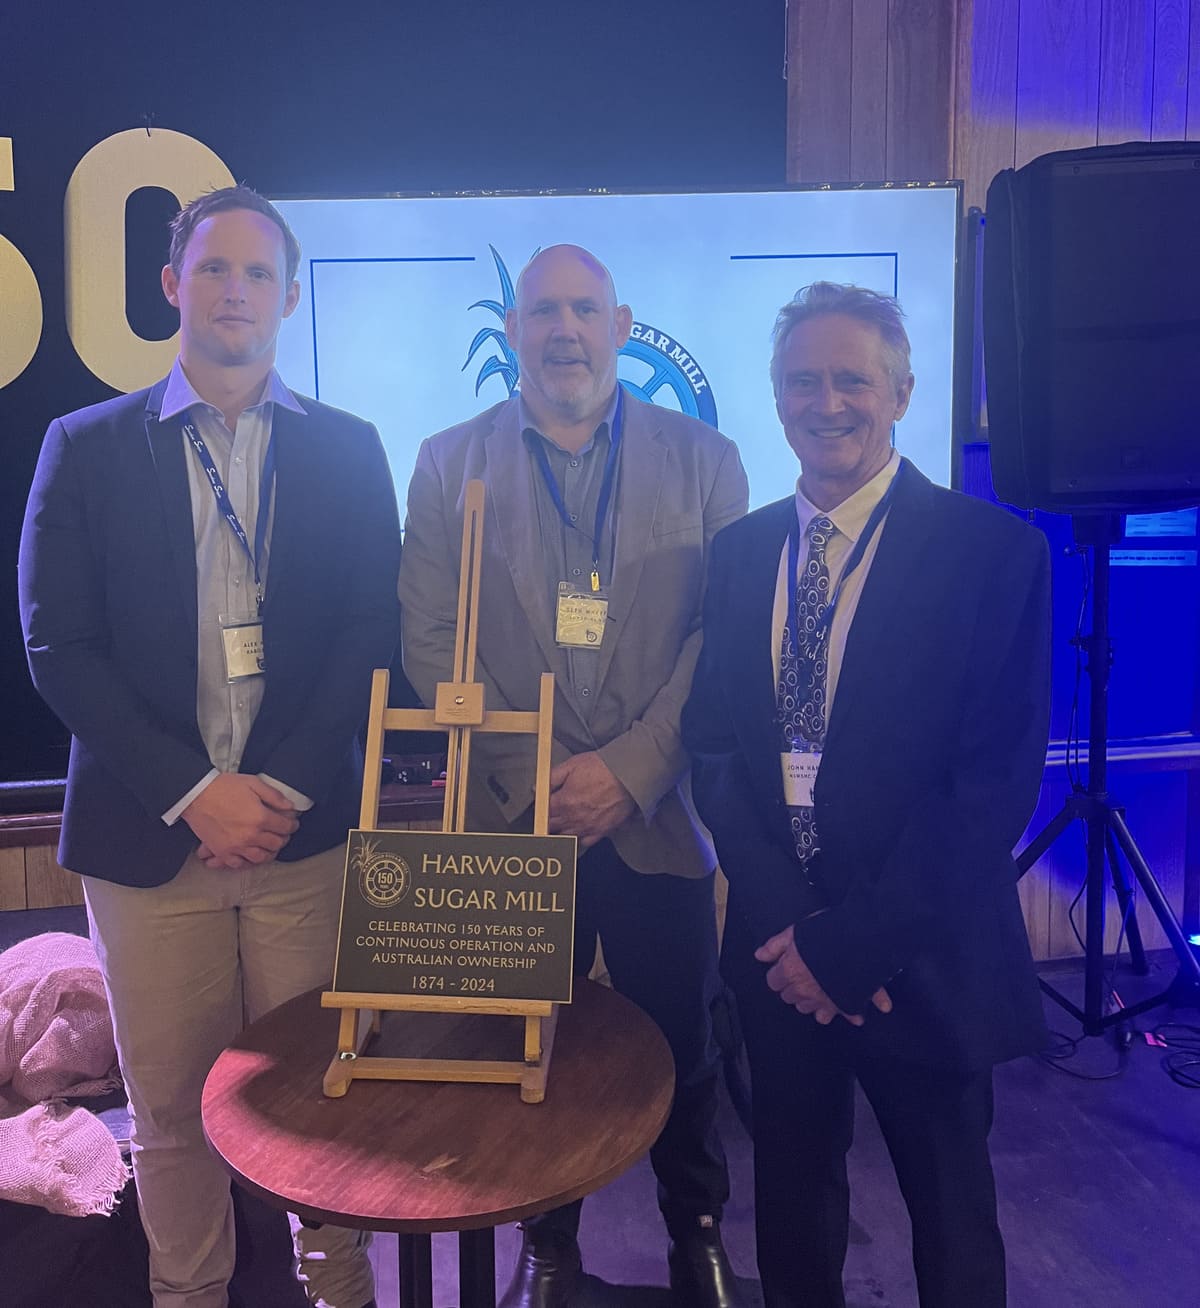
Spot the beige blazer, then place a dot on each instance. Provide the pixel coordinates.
(679, 483)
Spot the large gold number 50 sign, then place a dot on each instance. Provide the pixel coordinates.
(94, 254)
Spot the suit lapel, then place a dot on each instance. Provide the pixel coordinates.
(881, 606)
(755, 677)
(512, 511)
(297, 493)
(166, 446)
(634, 506)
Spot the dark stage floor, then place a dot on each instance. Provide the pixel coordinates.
(1098, 1184)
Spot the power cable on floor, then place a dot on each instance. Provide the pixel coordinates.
(1181, 1062)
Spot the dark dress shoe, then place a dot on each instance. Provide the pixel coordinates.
(546, 1274)
(701, 1276)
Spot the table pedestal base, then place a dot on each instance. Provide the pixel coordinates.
(476, 1270)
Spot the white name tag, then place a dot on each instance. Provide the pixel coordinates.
(243, 646)
(580, 619)
(800, 777)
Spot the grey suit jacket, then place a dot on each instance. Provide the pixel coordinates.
(679, 483)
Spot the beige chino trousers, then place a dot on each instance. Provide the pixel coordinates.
(186, 965)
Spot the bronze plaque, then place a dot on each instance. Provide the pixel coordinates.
(457, 916)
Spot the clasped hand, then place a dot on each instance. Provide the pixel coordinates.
(789, 976)
(587, 800)
(240, 819)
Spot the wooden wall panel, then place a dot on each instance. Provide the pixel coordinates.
(819, 41)
(932, 88)
(1048, 889)
(47, 885)
(920, 89)
(12, 878)
(1191, 857)
(1058, 61)
(1193, 96)
(1148, 798)
(869, 91)
(1126, 86)
(985, 99)
(1169, 101)
(1034, 887)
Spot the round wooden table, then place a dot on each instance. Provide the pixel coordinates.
(416, 1157)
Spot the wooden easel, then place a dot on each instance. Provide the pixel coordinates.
(459, 708)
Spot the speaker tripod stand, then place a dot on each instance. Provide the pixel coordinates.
(1107, 834)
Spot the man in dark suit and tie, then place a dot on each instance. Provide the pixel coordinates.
(602, 506)
(868, 726)
(207, 579)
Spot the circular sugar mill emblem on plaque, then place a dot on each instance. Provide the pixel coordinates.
(383, 878)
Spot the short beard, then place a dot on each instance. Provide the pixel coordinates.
(577, 403)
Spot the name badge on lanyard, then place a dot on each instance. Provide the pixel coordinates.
(241, 634)
(581, 616)
(800, 767)
(242, 644)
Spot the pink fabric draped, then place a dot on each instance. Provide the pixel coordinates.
(56, 1041)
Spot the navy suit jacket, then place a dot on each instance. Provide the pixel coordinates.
(108, 605)
(931, 768)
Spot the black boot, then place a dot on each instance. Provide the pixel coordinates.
(546, 1273)
(701, 1276)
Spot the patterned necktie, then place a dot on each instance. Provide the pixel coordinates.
(803, 669)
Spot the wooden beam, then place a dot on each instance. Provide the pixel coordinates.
(819, 90)
(1058, 77)
(1168, 114)
(869, 91)
(920, 89)
(1126, 94)
(985, 95)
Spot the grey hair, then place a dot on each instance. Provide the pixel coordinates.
(882, 312)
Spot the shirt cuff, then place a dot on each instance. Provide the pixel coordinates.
(299, 801)
(173, 814)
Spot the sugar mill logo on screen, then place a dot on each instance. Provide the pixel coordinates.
(651, 363)
(671, 366)
(384, 879)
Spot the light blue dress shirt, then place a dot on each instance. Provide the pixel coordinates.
(225, 588)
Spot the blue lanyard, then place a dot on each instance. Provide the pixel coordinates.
(223, 503)
(856, 557)
(606, 485)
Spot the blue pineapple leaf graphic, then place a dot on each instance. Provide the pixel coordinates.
(494, 366)
(494, 305)
(482, 337)
(503, 362)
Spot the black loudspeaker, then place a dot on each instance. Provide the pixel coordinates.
(1091, 328)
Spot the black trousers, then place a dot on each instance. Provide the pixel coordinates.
(935, 1121)
(660, 946)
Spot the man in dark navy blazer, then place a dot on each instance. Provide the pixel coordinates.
(868, 726)
(208, 576)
